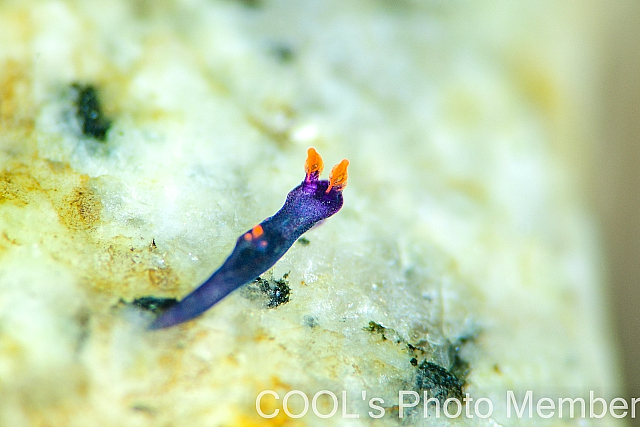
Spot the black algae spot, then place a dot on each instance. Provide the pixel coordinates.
(82, 317)
(304, 241)
(145, 409)
(89, 112)
(277, 291)
(415, 348)
(310, 321)
(376, 328)
(437, 382)
(460, 369)
(384, 332)
(253, 4)
(283, 53)
(413, 361)
(154, 304)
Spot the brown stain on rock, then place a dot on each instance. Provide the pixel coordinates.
(51, 205)
(104, 265)
(15, 97)
(81, 209)
(15, 186)
(161, 278)
(68, 192)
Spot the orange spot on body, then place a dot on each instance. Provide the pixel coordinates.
(257, 231)
(338, 177)
(314, 164)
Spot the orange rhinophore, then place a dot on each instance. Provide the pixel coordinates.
(338, 176)
(313, 166)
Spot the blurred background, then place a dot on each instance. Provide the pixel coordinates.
(616, 186)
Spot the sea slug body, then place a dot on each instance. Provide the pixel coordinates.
(258, 249)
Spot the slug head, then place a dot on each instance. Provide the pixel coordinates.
(315, 200)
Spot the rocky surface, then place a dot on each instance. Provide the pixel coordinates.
(139, 139)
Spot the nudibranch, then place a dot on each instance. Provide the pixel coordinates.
(257, 250)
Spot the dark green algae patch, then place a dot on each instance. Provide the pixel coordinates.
(439, 382)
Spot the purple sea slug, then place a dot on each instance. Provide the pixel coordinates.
(257, 250)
